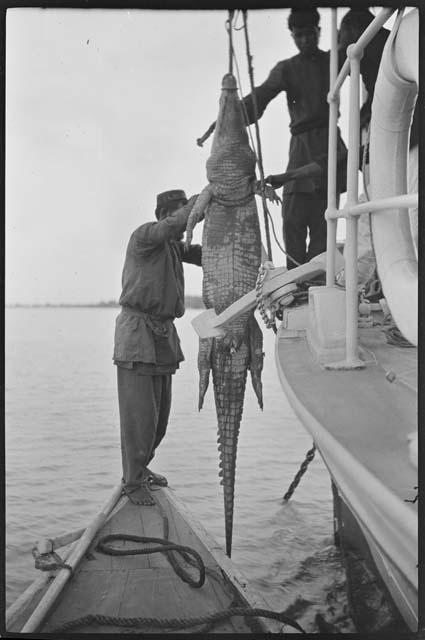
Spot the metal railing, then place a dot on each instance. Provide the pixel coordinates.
(352, 208)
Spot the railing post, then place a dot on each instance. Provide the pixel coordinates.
(351, 280)
(332, 156)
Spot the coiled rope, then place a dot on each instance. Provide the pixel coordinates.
(191, 556)
(177, 623)
(164, 547)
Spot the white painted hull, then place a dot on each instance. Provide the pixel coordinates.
(389, 524)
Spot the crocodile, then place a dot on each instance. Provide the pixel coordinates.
(231, 256)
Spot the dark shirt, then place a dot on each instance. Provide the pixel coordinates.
(305, 79)
(153, 295)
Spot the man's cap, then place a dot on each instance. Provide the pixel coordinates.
(300, 18)
(164, 198)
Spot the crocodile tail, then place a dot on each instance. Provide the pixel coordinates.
(204, 367)
(256, 358)
(197, 214)
(229, 377)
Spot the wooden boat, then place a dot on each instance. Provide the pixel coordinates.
(108, 587)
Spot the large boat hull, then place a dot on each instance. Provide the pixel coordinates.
(360, 422)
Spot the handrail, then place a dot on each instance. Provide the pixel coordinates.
(405, 202)
(358, 47)
(332, 161)
(353, 208)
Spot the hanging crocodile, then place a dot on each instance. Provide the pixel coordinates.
(231, 256)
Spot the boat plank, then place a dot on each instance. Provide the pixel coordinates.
(98, 592)
(166, 596)
(153, 526)
(236, 580)
(127, 521)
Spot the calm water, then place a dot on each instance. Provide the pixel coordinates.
(63, 459)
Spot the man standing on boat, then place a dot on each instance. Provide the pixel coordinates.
(305, 79)
(147, 348)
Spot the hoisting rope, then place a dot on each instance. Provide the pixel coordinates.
(257, 133)
(229, 31)
(303, 468)
(211, 129)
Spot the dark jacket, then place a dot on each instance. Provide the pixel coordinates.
(153, 293)
(305, 79)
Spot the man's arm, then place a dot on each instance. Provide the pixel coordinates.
(264, 93)
(193, 254)
(172, 227)
(311, 170)
(275, 83)
(317, 168)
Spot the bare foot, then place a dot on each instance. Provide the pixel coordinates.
(156, 478)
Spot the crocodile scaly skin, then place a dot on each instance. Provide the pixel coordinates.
(231, 255)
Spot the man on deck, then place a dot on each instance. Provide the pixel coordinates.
(147, 348)
(305, 79)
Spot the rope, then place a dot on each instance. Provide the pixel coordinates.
(229, 31)
(176, 623)
(269, 320)
(50, 561)
(257, 132)
(200, 141)
(245, 113)
(303, 468)
(164, 547)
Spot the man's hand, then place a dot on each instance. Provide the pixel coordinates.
(278, 180)
(189, 204)
(192, 200)
(269, 192)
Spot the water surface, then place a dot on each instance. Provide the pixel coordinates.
(63, 459)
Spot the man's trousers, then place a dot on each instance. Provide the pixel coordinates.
(302, 211)
(144, 405)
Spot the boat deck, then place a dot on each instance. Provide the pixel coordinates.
(366, 413)
(146, 586)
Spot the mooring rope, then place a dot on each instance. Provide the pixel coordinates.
(303, 468)
(177, 623)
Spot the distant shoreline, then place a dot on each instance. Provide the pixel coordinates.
(191, 302)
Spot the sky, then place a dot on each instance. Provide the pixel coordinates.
(103, 109)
